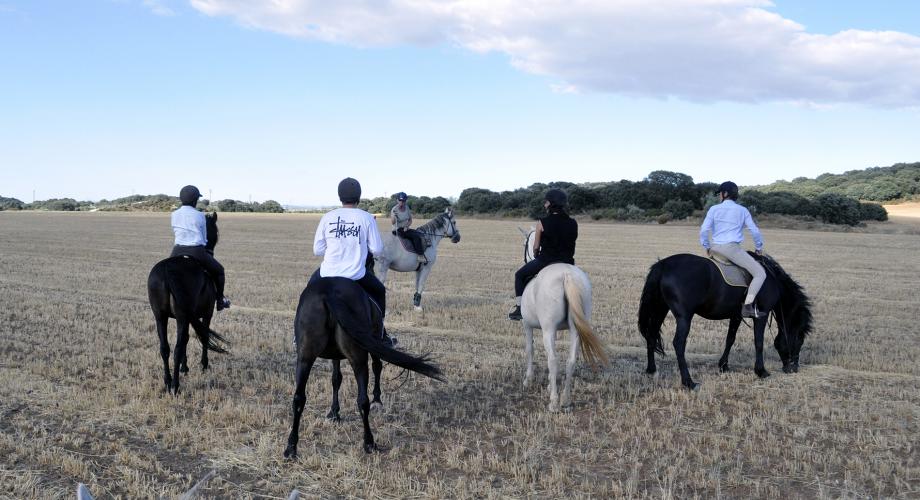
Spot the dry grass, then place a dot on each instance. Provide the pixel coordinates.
(81, 391)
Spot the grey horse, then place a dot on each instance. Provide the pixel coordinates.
(397, 258)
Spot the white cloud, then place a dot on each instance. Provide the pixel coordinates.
(159, 8)
(699, 50)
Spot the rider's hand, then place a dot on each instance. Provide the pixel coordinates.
(759, 252)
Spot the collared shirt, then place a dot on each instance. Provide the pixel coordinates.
(403, 217)
(726, 222)
(343, 238)
(189, 226)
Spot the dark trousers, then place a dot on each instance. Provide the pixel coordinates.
(370, 284)
(526, 273)
(415, 237)
(207, 261)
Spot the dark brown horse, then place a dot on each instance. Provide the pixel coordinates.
(179, 288)
(336, 320)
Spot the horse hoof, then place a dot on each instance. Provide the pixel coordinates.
(788, 369)
(693, 386)
(762, 373)
(371, 448)
(333, 416)
(376, 406)
(795, 367)
(723, 368)
(204, 367)
(183, 369)
(651, 371)
(418, 308)
(290, 452)
(554, 407)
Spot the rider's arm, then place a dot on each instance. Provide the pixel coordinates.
(755, 231)
(202, 227)
(409, 222)
(319, 241)
(537, 235)
(374, 242)
(705, 229)
(393, 216)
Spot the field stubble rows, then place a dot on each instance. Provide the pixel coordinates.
(81, 393)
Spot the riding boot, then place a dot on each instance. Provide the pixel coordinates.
(751, 311)
(222, 302)
(515, 314)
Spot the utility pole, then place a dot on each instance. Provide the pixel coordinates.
(33, 196)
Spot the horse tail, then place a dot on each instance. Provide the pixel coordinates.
(354, 323)
(591, 347)
(652, 308)
(185, 301)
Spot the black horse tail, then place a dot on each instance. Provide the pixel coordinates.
(652, 308)
(185, 304)
(356, 325)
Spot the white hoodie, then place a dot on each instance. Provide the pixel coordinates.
(343, 238)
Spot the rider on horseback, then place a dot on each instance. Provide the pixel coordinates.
(344, 238)
(401, 218)
(553, 242)
(192, 236)
(726, 222)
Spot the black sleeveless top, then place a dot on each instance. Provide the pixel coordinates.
(557, 244)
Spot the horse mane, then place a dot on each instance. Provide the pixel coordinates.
(434, 224)
(796, 306)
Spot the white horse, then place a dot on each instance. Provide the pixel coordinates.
(558, 298)
(397, 258)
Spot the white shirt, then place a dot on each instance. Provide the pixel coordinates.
(343, 238)
(726, 221)
(189, 226)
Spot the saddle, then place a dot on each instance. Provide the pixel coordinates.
(406, 242)
(733, 274)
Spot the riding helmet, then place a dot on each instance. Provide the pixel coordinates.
(189, 195)
(556, 198)
(349, 190)
(728, 187)
(400, 196)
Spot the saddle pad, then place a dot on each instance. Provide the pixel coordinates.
(732, 274)
(407, 243)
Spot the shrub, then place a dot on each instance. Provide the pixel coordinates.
(872, 211)
(679, 209)
(837, 209)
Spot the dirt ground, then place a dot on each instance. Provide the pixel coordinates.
(81, 396)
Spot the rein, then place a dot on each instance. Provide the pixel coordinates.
(526, 245)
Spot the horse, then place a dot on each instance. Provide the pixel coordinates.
(397, 258)
(558, 298)
(335, 320)
(178, 287)
(688, 284)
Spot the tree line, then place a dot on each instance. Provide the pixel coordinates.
(664, 196)
(139, 203)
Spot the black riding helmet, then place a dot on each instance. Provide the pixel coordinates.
(729, 187)
(189, 195)
(556, 198)
(349, 191)
(400, 196)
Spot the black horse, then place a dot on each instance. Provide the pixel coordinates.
(689, 284)
(335, 320)
(179, 288)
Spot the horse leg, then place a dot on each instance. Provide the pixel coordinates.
(179, 353)
(300, 399)
(164, 350)
(420, 277)
(205, 338)
(552, 364)
(733, 325)
(680, 346)
(528, 350)
(359, 365)
(574, 342)
(336, 383)
(760, 324)
(377, 366)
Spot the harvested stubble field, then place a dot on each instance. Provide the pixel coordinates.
(81, 396)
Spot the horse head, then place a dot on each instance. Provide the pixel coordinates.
(793, 315)
(450, 228)
(210, 219)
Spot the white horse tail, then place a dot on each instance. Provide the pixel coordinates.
(591, 347)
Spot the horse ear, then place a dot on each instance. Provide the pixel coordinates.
(213, 216)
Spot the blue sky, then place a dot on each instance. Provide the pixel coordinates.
(102, 98)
